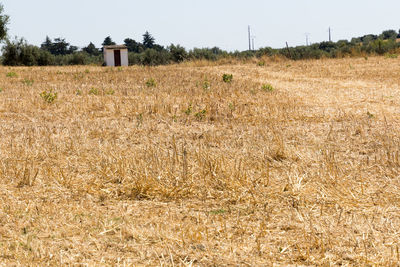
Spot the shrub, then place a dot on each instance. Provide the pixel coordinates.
(178, 53)
(134, 58)
(79, 58)
(45, 58)
(152, 57)
(207, 53)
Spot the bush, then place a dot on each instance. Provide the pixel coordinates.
(134, 58)
(178, 53)
(152, 57)
(79, 58)
(45, 58)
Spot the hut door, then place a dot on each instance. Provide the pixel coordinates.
(117, 57)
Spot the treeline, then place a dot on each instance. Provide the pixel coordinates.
(59, 52)
(370, 44)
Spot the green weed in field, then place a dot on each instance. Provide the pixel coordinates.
(11, 74)
(151, 83)
(109, 91)
(267, 87)
(28, 82)
(94, 91)
(49, 96)
(200, 115)
(227, 78)
(188, 111)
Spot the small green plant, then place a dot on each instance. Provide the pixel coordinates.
(1, 90)
(227, 78)
(87, 71)
(370, 115)
(391, 56)
(261, 63)
(200, 115)
(218, 212)
(79, 76)
(109, 91)
(120, 69)
(93, 91)
(28, 82)
(267, 87)
(11, 74)
(188, 111)
(231, 107)
(151, 83)
(79, 92)
(139, 119)
(206, 84)
(49, 96)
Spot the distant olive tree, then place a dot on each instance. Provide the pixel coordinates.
(178, 53)
(389, 34)
(19, 53)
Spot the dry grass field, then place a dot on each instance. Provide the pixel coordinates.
(171, 166)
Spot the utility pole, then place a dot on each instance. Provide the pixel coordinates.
(252, 40)
(330, 36)
(307, 35)
(287, 47)
(249, 39)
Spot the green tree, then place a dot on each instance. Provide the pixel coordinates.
(108, 41)
(47, 44)
(58, 47)
(389, 34)
(91, 50)
(4, 19)
(366, 39)
(133, 46)
(148, 40)
(19, 53)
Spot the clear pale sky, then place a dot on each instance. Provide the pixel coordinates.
(204, 23)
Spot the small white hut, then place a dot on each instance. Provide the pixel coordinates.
(115, 55)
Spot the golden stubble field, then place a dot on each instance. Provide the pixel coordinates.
(171, 166)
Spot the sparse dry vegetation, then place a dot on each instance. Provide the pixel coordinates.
(194, 171)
